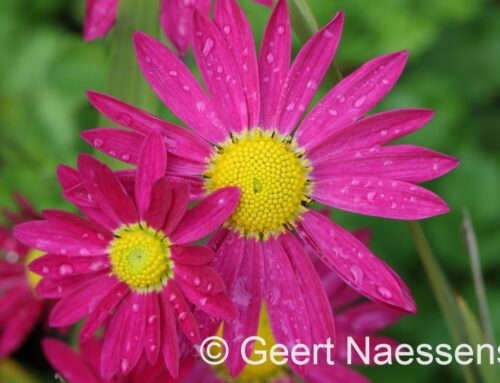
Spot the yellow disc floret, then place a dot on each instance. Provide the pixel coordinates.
(140, 257)
(272, 175)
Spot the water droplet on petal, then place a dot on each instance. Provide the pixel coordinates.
(281, 30)
(203, 301)
(182, 316)
(360, 101)
(207, 47)
(124, 364)
(98, 142)
(270, 58)
(83, 251)
(341, 98)
(135, 307)
(384, 292)
(197, 281)
(227, 29)
(125, 157)
(45, 270)
(65, 269)
(124, 119)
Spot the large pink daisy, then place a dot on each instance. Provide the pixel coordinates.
(176, 17)
(20, 306)
(251, 131)
(132, 262)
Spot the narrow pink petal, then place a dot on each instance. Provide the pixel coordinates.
(14, 299)
(192, 255)
(68, 177)
(62, 287)
(364, 235)
(231, 20)
(159, 205)
(367, 318)
(177, 20)
(306, 74)
(229, 253)
(54, 237)
(247, 296)
(106, 190)
(196, 186)
(179, 90)
(79, 225)
(220, 73)
(121, 144)
(103, 309)
(374, 130)
(67, 362)
(285, 304)
(178, 207)
(219, 305)
(111, 348)
(90, 352)
(317, 304)
(152, 337)
(151, 166)
(133, 333)
(204, 278)
(379, 197)
(268, 3)
(209, 214)
(185, 317)
(178, 140)
(353, 262)
(100, 15)
(170, 347)
(185, 167)
(57, 266)
(338, 373)
(274, 61)
(19, 326)
(399, 162)
(351, 98)
(80, 303)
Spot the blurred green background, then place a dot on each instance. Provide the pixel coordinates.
(45, 68)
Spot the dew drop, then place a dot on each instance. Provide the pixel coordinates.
(200, 105)
(203, 301)
(124, 364)
(45, 270)
(357, 274)
(83, 251)
(341, 98)
(172, 73)
(281, 30)
(290, 107)
(124, 119)
(207, 47)
(182, 316)
(332, 112)
(65, 269)
(227, 29)
(197, 281)
(270, 58)
(125, 157)
(384, 292)
(98, 143)
(359, 102)
(135, 307)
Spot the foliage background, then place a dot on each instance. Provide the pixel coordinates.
(454, 45)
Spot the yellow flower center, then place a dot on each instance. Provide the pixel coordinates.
(140, 257)
(32, 277)
(272, 175)
(264, 371)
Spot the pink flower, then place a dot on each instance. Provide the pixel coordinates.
(20, 307)
(83, 366)
(132, 261)
(176, 19)
(250, 132)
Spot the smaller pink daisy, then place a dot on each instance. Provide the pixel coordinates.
(20, 307)
(83, 366)
(132, 261)
(176, 17)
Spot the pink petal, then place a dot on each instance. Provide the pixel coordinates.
(103, 309)
(334, 373)
(285, 304)
(192, 255)
(220, 73)
(274, 60)
(317, 304)
(151, 166)
(306, 74)
(178, 140)
(209, 214)
(196, 186)
(57, 266)
(152, 337)
(62, 287)
(170, 347)
(238, 36)
(185, 317)
(159, 205)
(400, 162)
(351, 98)
(121, 144)
(185, 167)
(228, 256)
(178, 207)
(367, 318)
(219, 305)
(179, 90)
(100, 15)
(19, 326)
(177, 20)
(79, 225)
(133, 333)
(56, 238)
(107, 191)
(80, 303)
(374, 130)
(353, 262)
(67, 362)
(113, 338)
(268, 3)
(203, 278)
(68, 177)
(90, 352)
(247, 295)
(379, 197)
